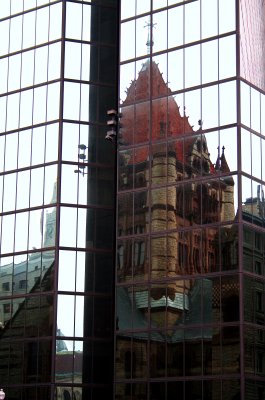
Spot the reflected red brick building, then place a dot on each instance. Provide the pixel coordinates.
(169, 190)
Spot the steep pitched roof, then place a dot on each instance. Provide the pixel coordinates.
(144, 120)
(161, 117)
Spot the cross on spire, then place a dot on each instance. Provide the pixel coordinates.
(149, 42)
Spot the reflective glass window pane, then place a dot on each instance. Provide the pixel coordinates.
(73, 27)
(228, 109)
(128, 30)
(27, 68)
(54, 61)
(68, 226)
(5, 9)
(2, 154)
(53, 98)
(42, 228)
(142, 6)
(21, 231)
(40, 101)
(26, 105)
(86, 28)
(37, 144)
(227, 16)
(262, 159)
(245, 103)
(210, 112)
(175, 63)
(24, 155)
(72, 60)
(262, 113)
(71, 100)
(192, 21)
(227, 51)
(67, 270)
(29, 21)
(4, 74)
(192, 55)
(3, 105)
(7, 233)
(23, 185)
(128, 9)
(42, 25)
(256, 156)
(41, 65)
(15, 33)
(37, 187)
(30, 4)
(65, 310)
(193, 108)
(85, 69)
(55, 21)
(84, 102)
(1, 193)
(175, 27)
(79, 312)
(247, 192)
(16, 6)
(255, 110)
(11, 150)
(50, 189)
(12, 118)
(52, 132)
(158, 31)
(4, 32)
(14, 68)
(209, 16)
(228, 146)
(69, 184)
(70, 142)
(81, 263)
(209, 61)
(9, 192)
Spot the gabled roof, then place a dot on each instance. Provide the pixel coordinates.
(164, 116)
(144, 121)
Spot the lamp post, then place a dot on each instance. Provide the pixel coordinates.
(2, 394)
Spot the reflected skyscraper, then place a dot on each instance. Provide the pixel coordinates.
(132, 263)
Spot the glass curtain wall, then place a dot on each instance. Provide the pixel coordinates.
(58, 63)
(190, 235)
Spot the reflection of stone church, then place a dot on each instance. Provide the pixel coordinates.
(178, 189)
(181, 188)
(189, 190)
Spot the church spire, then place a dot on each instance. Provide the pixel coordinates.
(149, 42)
